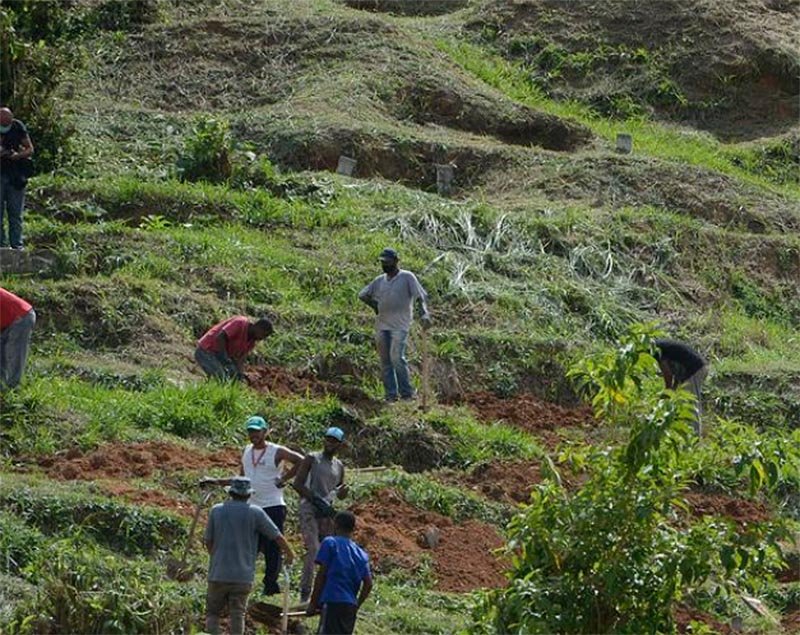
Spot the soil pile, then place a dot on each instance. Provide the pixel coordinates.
(527, 411)
(149, 497)
(285, 382)
(685, 615)
(742, 512)
(130, 460)
(392, 530)
(509, 483)
(791, 622)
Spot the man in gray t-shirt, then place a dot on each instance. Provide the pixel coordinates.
(392, 297)
(231, 538)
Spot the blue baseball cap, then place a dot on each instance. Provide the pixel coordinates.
(257, 423)
(388, 254)
(335, 433)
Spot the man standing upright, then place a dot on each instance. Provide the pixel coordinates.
(392, 297)
(17, 318)
(222, 350)
(261, 463)
(343, 581)
(319, 479)
(16, 149)
(232, 537)
(683, 367)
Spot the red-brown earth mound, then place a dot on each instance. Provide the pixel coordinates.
(286, 382)
(742, 512)
(392, 530)
(527, 411)
(130, 460)
(149, 497)
(685, 615)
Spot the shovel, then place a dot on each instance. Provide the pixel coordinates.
(176, 569)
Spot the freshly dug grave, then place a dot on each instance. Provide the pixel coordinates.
(131, 460)
(527, 411)
(740, 511)
(392, 532)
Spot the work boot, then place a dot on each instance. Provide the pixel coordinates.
(271, 589)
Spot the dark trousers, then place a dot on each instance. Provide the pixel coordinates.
(337, 618)
(272, 553)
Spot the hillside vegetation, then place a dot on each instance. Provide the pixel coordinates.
(188, 156)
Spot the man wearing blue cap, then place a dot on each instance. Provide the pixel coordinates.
(232, 537)
(261, 463)
(392, 297)
(319, 479)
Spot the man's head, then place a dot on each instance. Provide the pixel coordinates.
(240, 489)
(261, 329)
(257, 430)
(388, 258)
(6, 119)
(334, 437)
(344, 523)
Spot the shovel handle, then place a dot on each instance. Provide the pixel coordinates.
(193, 526)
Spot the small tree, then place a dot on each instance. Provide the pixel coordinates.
(207, 152)
(615, 555)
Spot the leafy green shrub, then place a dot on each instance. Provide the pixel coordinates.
(128, 529)
(613, 555)
(207, 152)
(84, 589)
(18, 543)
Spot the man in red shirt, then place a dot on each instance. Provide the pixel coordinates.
(17, 318)
(222, 350)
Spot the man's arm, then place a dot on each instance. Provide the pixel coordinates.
(295, 458)
(666, 371)
(299, 483)
(420, 296)
(367, 298)
(319, 584)
(25, 151)
(341, 489)
(208, 536)
(366, 589)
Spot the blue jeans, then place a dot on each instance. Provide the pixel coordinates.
(394, 366)
(12, 200)
(213, 366)
(14, 343)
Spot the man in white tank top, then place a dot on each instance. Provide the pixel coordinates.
(261, 463)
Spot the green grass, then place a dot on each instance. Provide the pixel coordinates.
(650, 138)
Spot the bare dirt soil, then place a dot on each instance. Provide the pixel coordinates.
(684, 615)
(527, 411)
(509, 483)
(742, 512)
(287, 382)
(149, 497)
(391, 531)
(791, 622)
(131, 460)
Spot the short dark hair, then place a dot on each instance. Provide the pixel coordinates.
(345, 520)
(266, 324)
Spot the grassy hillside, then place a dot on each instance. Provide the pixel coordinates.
(551, 246)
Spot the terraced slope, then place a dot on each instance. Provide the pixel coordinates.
(551, 245)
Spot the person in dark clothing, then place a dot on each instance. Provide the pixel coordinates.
(683, 367)
(343, 581)
(15, 168)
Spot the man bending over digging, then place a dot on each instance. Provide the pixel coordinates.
(222, 350)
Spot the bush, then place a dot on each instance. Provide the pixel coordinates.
(615, 555)
(84, 589)
(207, 152)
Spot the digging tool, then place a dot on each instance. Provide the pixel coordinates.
(426, 371)
(285, 615)
(176, 569)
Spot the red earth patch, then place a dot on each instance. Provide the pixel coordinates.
(742, 512)
(391, 530)
(684, 615)
(528, 412)
(131, 460)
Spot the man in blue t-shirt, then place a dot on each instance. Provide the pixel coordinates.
(343, 580)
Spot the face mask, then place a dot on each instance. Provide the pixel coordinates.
(388, 267)
(4, 129)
